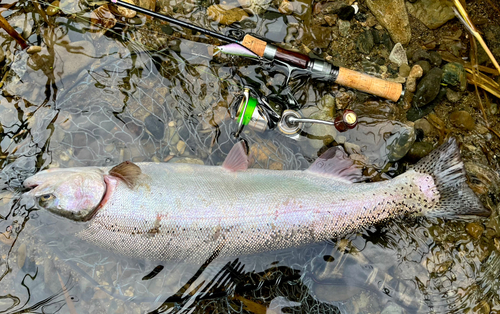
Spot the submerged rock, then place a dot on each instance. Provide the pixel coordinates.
(462, 119)
(393, 16)
(69, 59)
(344, 27)
(454, 76)
(365, 43)
(428, 88)
(433, 13)
(258, 6)
(226, 15)
(419, 150)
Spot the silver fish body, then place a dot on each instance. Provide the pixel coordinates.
(191, 212)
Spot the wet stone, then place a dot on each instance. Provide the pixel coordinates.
(416, 71)
(433, 13)
(425, 65)
(155, 126)
(435, 58)
(53, 8)
(344, 27)
(365, 43)
(454, 76)
(428, 88)
(425, 126)
(475, 229)
(453, 96)
(420, 54)
(346, 13)
(392, 15)
(419, 150)
(225, 15)
(404, 70)
(462, 119)
(398, 55)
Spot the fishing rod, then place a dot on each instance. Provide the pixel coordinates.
(318, 69)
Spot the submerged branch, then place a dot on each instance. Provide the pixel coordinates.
(12, 32)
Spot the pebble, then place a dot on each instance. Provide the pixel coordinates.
(255, 6)
(425, 65)
(365, 43)
(420, 54)
(453, 96)
(33, 49)
(462, 119)
(416, 72)
(493, 108)
(404, 70)
(392, 15)
(286, 7)
(346, 13)
(344, 27)
(435, 58)
(425, 126)
(181, 147)
(475, 229)
(428, 88)
(398, 55)
(454, 75)
(433, 13)
(53, 8)
(121, 11)
(226, 15)
(155, 126)
(419, 150)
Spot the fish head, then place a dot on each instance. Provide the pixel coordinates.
(74, 193)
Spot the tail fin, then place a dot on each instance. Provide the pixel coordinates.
(456, 197)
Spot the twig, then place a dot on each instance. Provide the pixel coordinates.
(475, 72)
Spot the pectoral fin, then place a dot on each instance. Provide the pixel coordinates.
(128, 172)
(237, 159)
(335, 163)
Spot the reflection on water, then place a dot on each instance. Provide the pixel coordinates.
(115, 104)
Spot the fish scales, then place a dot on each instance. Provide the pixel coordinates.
(167, 211)
(188, 211)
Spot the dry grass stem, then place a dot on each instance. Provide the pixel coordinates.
(465, 19)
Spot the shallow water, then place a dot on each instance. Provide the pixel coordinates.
(127, 102)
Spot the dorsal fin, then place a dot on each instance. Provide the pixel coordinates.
(128, 172)
(237, 159)
(335, 162)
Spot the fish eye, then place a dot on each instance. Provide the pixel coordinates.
(45, 198)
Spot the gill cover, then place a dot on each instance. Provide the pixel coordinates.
(73, 193)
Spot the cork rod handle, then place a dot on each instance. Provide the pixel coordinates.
(346, 77)
(369, 84)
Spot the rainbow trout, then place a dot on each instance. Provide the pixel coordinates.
(165, 211)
